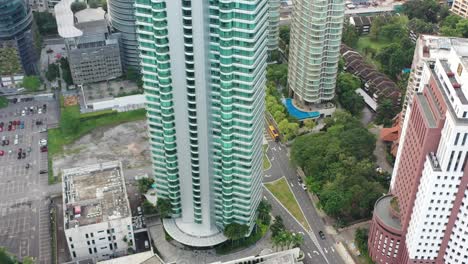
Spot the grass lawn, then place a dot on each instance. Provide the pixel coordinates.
(88, 122)
(266, 161)
(282, 192)
(231, 246)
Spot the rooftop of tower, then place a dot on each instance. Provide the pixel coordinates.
(94, 194)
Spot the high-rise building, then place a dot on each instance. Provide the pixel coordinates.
(122, 18)
(203, 69)
(460, 7)
(93, 52)
(423, 218)
(17, 32)
(273, 24)
(314, 50)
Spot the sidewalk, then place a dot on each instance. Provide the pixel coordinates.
(171, 253)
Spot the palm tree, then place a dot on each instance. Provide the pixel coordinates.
(297, 240)
(264, 209)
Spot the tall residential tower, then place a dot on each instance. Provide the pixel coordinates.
(122, 18)
(203, 69)
(314, 50)
(424, 217)
(273, 24)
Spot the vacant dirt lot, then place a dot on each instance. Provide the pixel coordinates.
(126, 142)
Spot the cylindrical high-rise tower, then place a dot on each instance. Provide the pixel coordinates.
(314, 50)
(122, 18)
(203, 69)
(273, 24)
(16, 32)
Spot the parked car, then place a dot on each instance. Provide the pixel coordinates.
(2, 152)
(42, 171)
(27, 166)
(44, 149)
(304, 187)
(321, 234)
(23, 155)
(39, 111)
(15, 142)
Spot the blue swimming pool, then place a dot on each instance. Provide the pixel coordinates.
(299, 114)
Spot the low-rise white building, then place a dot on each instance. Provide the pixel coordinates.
(97, 215)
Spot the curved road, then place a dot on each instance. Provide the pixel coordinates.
(316, 249)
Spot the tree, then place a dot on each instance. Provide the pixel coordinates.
(52, 72)
(361, 237)
(31, 83)
(427, 10)
(264, 209)
(77, 6)
(377, 23)
(278, 73)
(66, 72)
(104, 5)
(350, 36)
(450, 21)
(420, 26)
(28, 260)
(235, 231)
(164, 208)
(3, 102)
(94, 3)
(277, 226)
(284, 34)
(309, 123)
(346, 86)
(144, 184)
(148, 208)
(385, 113)
(462, 28)
(46, 23)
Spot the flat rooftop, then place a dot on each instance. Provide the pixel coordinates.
(94, 194)
(382, 209)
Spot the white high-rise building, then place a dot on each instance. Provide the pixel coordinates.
(314, 51)
(203, 66)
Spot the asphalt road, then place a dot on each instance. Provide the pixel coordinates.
(24, 208)
(316, 249)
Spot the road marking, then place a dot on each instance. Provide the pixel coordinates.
(293, 186)
(279, 147)
(272, 158)
(315, 252)
(308, 254)
(332, 249)
(326, 251)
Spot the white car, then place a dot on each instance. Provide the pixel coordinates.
(304, 187)
(43, 142)
(23, 113)
(15, 142)
(39, 111)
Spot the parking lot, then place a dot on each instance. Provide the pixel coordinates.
(24, 192)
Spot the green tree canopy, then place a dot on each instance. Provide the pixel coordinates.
(346, 86)
(421, 26)
(31, 83)
(94, 3)
(46, 23)
(77, 6)
(264, 209)
(164, 208)
(52, 72)
(144, 184)
(278, 73)
(385, 113)
(338, 163)
(350, 36)
(427, 10)
(277, 225)
(235, 231)
(66, 72)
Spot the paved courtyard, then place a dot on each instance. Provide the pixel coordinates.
(24, 208)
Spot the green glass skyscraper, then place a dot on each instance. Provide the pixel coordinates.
(203, 66)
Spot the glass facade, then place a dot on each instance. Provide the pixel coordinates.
(204, 74)
(314, 50)
(122, 17)
(273, 24)
(16, 31)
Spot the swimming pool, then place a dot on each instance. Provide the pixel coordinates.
(299, 114)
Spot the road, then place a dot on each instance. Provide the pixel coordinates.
(280, 166)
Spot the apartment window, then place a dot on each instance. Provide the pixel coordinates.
(90, 251)
(70, 239)
(456, 138)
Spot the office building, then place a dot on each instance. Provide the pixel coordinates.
(289, 256)
(122, 18)
(314, 51)
(204, 82)
(17, 38)
(423, 218)
(273, 24)
(92, 51)
(460, 7)
(97, 216)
